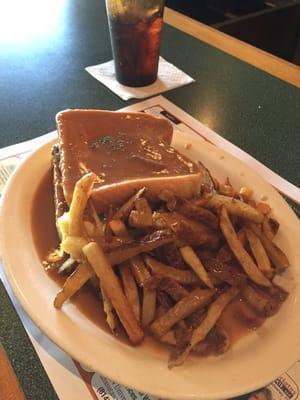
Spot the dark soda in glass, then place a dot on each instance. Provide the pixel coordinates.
(135, 45)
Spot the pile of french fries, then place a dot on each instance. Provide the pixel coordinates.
(169, 266)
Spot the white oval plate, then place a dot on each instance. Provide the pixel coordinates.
(252, 363)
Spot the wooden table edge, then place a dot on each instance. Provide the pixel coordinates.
(10, 388)
(260, 59)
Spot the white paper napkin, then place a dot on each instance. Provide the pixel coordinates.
(169, 77)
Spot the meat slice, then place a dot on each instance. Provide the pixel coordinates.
(127, 151)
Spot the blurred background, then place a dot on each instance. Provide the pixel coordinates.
(271, 25)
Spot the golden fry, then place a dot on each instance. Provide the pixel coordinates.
(180, 275)
(277, 256)
(81, 194)
(225, 254)
(73, 245)
(73, 283)
(149, 306)
(234, 207)
(118, 227)
(263, 208)
(139, 219)
(259, 252)
(168, 285)
(141, 205)
(187, 230)
(113, 291)
(246, 193)
(193, 210)
(227, 189)
(108, 309)
(144, 245)
(241, 254)
(130, 289)
(124, 211)
(195, 300)
(270, 227)
(191, 258)
(139, 270)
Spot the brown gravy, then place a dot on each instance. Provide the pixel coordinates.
(93, 141)
(238, 318)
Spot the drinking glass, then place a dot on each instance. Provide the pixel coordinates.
(135, 30)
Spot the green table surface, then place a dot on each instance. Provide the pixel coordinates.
(44, 73)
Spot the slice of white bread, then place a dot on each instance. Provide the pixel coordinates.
(127, 151)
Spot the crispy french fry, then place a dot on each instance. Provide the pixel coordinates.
(168, 285)
(277, 256)
(241, 254)
(182, 276)
(270, 227)
(118, 227)
(196, 299)
(108, 309)
(79, 201)
(66, 265)
(124, 211)
(187, 230)
(73, 283)
(227, 189)
(259, 252)
(146, 244)
(234, 207)
(138, 219)
(191, 258)
(141, 205)
(225, 254)
(73, 245)
(246, 193)
(113, 290)
(196, 318)
(148, 306)
(139, 270)
(130, 289)
(263, 208)
(192, 210)
(213, 314)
